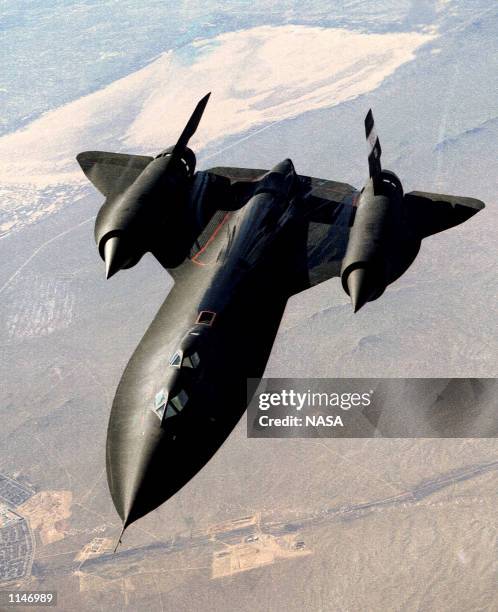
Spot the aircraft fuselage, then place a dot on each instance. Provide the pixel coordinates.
(185, 387)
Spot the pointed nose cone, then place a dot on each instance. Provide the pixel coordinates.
(145, 466)
(113, 256)
(140, 482)
(137, 456)
(359, 288)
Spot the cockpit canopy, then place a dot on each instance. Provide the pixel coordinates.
(180, 360)
(166, 406)
(187, 353)
(179, 374)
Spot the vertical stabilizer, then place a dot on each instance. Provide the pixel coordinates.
(374, 149)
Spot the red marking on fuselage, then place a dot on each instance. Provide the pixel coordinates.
(209, 241)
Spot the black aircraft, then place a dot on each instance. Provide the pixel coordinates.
(238, 243)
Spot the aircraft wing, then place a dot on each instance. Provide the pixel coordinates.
(112, 173)
(329, 208)
(332, 207)
(431, 213)
(330, 221)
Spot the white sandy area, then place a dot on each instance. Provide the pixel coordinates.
(257, 77)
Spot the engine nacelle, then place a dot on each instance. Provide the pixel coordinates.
(381, 245)
(149, 215)
(149, 202)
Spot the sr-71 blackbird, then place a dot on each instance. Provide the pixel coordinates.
(238, 243)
